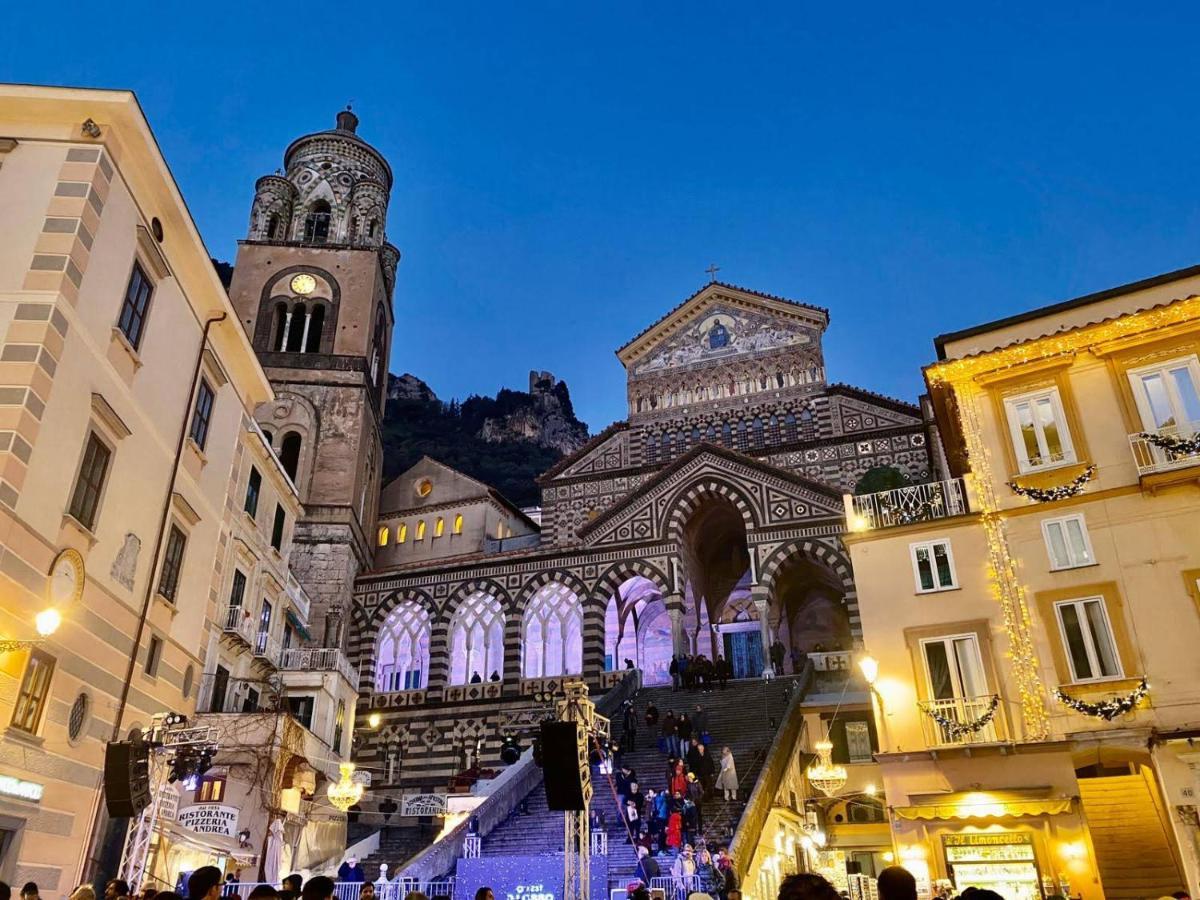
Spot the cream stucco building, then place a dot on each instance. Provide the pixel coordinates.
(127, 436)
(1034, 615)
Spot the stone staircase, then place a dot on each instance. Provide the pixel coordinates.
(1132, 848)
(397, 845)
(739, 717)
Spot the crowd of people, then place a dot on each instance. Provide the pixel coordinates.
(690, 672)
(667, 822)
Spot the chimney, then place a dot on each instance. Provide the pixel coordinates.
(347, 121)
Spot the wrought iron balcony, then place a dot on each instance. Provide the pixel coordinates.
(318, 659)
(1167, 449)
(907, 505)
(237, 621)
(266, 649)
(960, 720)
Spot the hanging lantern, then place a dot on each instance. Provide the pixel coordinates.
(823, 774)
(347, 790)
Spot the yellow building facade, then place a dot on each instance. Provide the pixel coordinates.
(1032, 615)
(126, 390)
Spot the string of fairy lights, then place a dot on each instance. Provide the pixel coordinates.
(1109, 709)
(954, 728)
(1002, 574)
(1072, 488)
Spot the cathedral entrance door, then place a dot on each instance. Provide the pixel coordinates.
(744, 650)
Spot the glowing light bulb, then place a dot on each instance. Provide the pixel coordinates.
(374, 719)
(47, 621)
(870, 668)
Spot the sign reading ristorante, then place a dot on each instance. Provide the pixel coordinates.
(209, 818)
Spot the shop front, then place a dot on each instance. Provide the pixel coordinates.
(1024, 845)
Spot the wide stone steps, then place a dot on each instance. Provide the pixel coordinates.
(1132, 849)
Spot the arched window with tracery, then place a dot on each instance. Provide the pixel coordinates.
(316, 223)
(553, 633)
(402, 650)
(477, 639)
(789, 427)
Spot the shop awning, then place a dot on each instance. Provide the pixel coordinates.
(299, 626)
(211, 843)
(985, 805)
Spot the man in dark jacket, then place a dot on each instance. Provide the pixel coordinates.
(629, 729)
(674, 670)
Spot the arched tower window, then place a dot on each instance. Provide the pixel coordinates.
(289, 454)
(294, 329)
(439, 527)
(402, 533)
(477, 639)
(316, 223)
(383, 536)
(553, 633)
(402, 651)
(315, 325)
(421, 530)
(273, 227)
(458, 523)
(372, 228)
(280, 326)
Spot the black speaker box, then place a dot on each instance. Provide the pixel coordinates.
(561, 766)
(126, 778)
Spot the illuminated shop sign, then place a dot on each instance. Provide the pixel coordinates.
(25, 790)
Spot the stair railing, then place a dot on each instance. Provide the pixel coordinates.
(514, 785)
(762, 798)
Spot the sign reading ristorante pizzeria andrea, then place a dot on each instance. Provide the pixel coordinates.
(209, 818)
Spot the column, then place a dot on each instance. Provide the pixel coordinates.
(762, 605)
(674, 604)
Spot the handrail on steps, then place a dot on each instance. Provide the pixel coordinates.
(758, 807)
(513, 786)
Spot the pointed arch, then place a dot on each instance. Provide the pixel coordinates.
(688, 499)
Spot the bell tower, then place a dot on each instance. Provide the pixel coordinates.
(313, 288)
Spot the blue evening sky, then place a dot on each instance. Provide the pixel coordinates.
(566, 171)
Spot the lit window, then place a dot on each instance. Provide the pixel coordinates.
(1168, 395)
(458, 523)
(402, 651)
(477, 639)
(1067, 542)
(421, 530)
(1039, 430)
(440, 528)
(1088, 638)
(211, 789)
(858, 742)
(933, 566)
(499, 530)
(34, 692)
(552, 638)
(402, 533)
(383, 536)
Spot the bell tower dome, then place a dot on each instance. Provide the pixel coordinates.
(313, 288)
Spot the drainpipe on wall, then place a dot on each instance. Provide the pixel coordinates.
(92, 858)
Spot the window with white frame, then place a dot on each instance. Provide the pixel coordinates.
(1039, 430)
(1168, 395)
(1088, 638)
(954, 667)
(1067, 542)
(933, 566)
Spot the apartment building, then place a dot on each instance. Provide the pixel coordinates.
(1031, 615)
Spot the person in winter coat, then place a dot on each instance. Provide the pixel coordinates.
(703, 766)
(684, 730)
(727, 778)
(695, 794)
(706, 874)
(629, 731)
(699, 722)
(651, 715)
(675, 831)
(674, 670)
(647, 866)
(684, 870)
(668, 733)
(678, 783)
(636, 797)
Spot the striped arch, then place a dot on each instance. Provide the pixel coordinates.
(618, 573)
(540, 580)
(366, 632)
(681, 507)
(833, 557)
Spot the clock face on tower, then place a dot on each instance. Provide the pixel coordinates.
(304, 284)
(65, 584)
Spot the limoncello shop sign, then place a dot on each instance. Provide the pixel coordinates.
(209, 818)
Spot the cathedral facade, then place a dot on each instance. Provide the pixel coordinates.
(709, 522)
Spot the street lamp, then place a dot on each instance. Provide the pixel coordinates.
(869, 666)
(46, 622)
(373, 720)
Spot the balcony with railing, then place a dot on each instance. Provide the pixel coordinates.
(237, 622)
(1167, 449)
(959, 721)
(266, 649)
(318, 659)
(906, 505)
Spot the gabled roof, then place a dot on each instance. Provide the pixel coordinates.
(714, 285)
(486, 491)
(702, 449)
(571, 458)
(849, 390)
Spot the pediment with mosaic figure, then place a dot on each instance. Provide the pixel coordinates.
(776, 497)
(720, 323)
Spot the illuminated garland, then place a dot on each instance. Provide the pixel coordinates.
(958, 729)
(1072, 488)
(892, 512)
(1108, 709)
(1002, 575)
(1182, 446)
